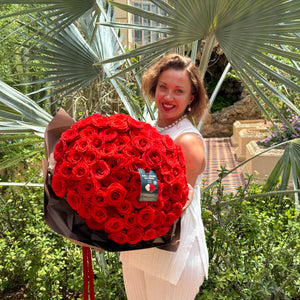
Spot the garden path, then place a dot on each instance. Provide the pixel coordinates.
(221, 152)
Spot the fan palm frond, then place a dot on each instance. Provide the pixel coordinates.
(255, 36)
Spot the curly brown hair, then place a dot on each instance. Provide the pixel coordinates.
(178, 62)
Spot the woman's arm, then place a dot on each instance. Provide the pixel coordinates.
(194, 154)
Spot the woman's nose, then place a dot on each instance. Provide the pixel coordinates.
(169, 95)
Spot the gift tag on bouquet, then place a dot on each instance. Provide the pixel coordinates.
(149, 186)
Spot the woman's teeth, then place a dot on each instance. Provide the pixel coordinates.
(168, 106)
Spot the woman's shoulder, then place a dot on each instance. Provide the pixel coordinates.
(186, 128)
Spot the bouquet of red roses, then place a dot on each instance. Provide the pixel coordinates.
(122, 179)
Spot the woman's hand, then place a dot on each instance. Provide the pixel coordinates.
(190, 197)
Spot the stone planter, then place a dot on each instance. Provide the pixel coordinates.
(261, 166)
(246, 136)
(247, 124)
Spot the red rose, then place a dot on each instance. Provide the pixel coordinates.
(162, 231)
(70, 135)
(177, 209)
(130, 152)
(118, 237)
(105, 183)
(176, 191)
(106, 150)
(114, 224)
(99, 199)
(159, 219)
(125, 208)
(97, 141)
(135, 200)
(130, 220)
(154, 156)
(59, 185)
(87, 131)
(134, 235)
(181, 158)
(82, 145)
(65, 169)
(141, 143)
(146, 216)
(119, 122)
(120, 176)
(157, 205)
(91, 156)
(168, 143)
(135, 181)
(121, 141)
(86, 187)
(60, 149)
(99, 214)
(115, 161)
(170, 219)
(164, 191)
(71, 184)
(165, 168)
(176, 171)
(74, 156)
(92, 224)
(100, 170)
(109, 134)
(134, 164)
(85, 209)
(80, 171)
(115, 194)
(134, 124)
(74, 199)
(83, 123)
(167, 205)
(169, 178)
(150, 234)
(99, 121)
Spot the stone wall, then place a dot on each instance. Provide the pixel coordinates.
(220, 124)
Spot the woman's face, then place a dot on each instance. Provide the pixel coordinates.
(172, 95)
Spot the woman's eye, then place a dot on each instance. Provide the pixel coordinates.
(179, 91)
(162, 87)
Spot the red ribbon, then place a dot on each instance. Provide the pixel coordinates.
(88, 279)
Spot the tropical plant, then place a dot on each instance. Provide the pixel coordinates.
(253, 36)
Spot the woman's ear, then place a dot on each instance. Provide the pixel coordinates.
(192, 99)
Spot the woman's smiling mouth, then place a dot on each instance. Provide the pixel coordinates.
(167, 106)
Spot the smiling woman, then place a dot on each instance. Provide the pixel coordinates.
(175, 85)
(172, 96)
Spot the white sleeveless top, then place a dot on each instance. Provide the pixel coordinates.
(169, 265)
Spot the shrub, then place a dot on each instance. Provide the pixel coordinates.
(37, 263)
(253, 245)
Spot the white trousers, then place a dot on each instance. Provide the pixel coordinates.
(140, 285)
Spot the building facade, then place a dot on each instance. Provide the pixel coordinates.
(131, 37)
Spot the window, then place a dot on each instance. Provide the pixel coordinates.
(144, 37)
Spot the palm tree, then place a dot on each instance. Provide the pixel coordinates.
(261, 42)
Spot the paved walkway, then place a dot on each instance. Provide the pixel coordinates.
(221, 152)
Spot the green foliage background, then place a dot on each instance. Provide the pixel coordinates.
(254, 248)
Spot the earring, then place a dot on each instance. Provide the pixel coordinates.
(189, 108)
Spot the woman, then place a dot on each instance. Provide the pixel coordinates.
(156, 274)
